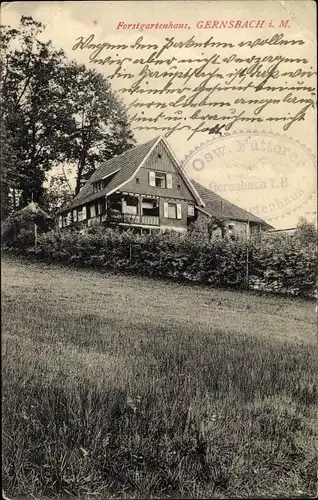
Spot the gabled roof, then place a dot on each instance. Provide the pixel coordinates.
(229, 210)
(120, 170)
(122, 166)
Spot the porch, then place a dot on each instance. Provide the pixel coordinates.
(121, 209)
(133, 209)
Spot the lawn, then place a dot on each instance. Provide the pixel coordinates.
(127, 387)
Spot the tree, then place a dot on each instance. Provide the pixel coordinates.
(207, 227)
(9, 179)
(99, 127)
(32, 90)
(55, 111)
(58, 193)
(306, 231)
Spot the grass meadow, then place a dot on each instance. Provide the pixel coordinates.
(124, 387)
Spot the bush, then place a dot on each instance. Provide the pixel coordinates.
(275, 265)
(18, 230)
(285, 266)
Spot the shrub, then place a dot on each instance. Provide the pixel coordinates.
(275, 265)
(286, 266)
(18, 230)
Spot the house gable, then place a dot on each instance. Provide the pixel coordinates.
(120, 173)
(158, 163)
(120, 168)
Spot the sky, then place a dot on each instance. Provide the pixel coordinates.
(252, 179)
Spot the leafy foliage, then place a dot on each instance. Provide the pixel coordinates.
(306, 231)
(275, 265)
(9, 175)
(208, 228)
(285, 265)
(58, 193)
(98, 124)
(55, 110)
(18, 230)
(33, 94)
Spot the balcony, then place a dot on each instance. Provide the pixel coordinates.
(150, 220)
(121, 218)
(147, 220)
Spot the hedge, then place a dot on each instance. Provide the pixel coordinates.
(273, 265)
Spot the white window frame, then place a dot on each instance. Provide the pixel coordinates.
(162, 176)
(93, 210)
(174, 206)
(191, 210)
(179, 211)
(152, 181)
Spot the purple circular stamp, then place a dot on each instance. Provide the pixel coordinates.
(266, 174)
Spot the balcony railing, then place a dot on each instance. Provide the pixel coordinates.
(147, 220)
(124, 218)
(150, 220)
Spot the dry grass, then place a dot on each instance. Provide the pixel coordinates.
(131, 388)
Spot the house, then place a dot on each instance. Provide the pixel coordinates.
(145, 188)
(236, 219)
(290, 231)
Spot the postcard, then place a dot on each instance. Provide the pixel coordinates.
(159, 228)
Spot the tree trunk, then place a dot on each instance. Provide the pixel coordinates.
(80, 169)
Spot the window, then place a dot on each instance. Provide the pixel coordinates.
(150, 207)
(67, 219)
(102, 206)
(160, 180)
(100, 185)
(178, 186)
(172, 210)
(222, 206)
(137, 180)
(92, 210)
(191, 210)
(130, 205)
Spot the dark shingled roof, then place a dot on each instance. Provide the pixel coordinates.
(213, 207)
(122, 166)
